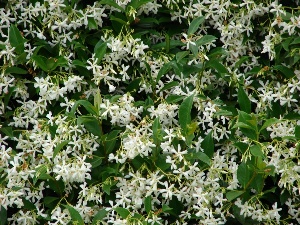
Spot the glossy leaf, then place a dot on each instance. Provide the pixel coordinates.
(75, 216)
(185, 113)
(99, 216)
(243, 100)
(195, 24)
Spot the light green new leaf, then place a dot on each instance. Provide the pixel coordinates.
(195, 24)
(75, 216)
(185, 113)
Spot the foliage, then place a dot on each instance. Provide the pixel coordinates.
(149, 112)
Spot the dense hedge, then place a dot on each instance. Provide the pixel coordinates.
(149, 112)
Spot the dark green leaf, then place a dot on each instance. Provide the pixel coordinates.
(269, 122)
(3, 215)
(241, 61)
(163, 70)
(75, 216)
(205, 39)
(243, 100)
(59, 147)
(148, 204)
(202, 156)
(91, 124)
(156, 128)
(124, 213)
(92, 23)
(231, 195)
(256, 151)
(94, 160)
(15, 70)
(195, 25)
(287, 72)
(111, 3)
(100, 51)
(174, 98)
(169, 85)
(181, 55)
(185, 113)
(244, 174)
(110, 140)
(41, 62)
(208, 145)
(297, 131)
(166, 208)
(16, 39)
(87, 105)
(99, 216)
(8, 131)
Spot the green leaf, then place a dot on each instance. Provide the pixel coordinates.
(243, 100)
(202, 156)
(100, 51)
(15, 70)
(157, 135)
(8, 131)
(99, 216)
(215, 64)
(258, 183)
(185, 113)
(87, 105)
(169, 85)
(195, 25)
(75, 216)
(269, 122)
(94, 160)
(3, 215)
(181, 55)
(256, 151)
(205, 39)
(59, 147)
(166, 208)
(231, 195)
(287, 72)
(163, 70)
(110, 140)
(91, 124)
(16, 39)
(161, 162)
(124, 213)
(297, 131)
(244, 174)
(41, 173)
(208, 145)
(92, 23)
(241, 61)
(174, 98)
(48, 200)
(41, 62)
(148, 204)
(112, 3)
(77, 62)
